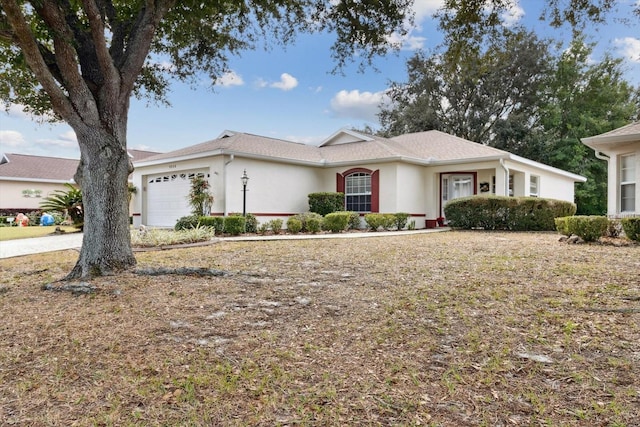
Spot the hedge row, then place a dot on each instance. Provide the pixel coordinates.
(591, 228)
(507, 213)
(233, 224)
(386, 221)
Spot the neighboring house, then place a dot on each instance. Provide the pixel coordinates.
(621, 149)
(25, 179)
(416, 173)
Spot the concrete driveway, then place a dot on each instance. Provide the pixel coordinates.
(36, 245)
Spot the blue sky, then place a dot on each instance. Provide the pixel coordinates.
(290, 93)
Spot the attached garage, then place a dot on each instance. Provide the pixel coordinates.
(167, 197)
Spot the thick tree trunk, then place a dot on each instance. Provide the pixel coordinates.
(102, 176)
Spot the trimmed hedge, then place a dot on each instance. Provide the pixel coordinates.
(234, 225)
(588, 228)
(215, 222)
(336, 221)
(326, 203)
(631, 227)
(380, 220)
(306, 217)
(507, 213)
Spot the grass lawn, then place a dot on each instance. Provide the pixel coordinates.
(12, 233)
(444, 329)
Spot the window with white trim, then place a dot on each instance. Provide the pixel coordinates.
(358, 192)
(628, 183)
(534, 183)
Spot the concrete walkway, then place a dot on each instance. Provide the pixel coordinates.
(60, 242)
(36, 245)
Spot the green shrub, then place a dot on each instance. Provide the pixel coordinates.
(263, 228)
(354, 221)
(304, 218)
(234, 225)
(187, 222)
(294, 225)
(631, 227)
(251, 223)
(507, 213)
(67, 202)
(376, 221)
(562, 225)
(314, 224)
(401, 220)
(588, 228)
(215, 222)
(336, 221)
(325, 203)
(276, 225)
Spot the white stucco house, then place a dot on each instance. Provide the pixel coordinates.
(416, 173)
(621, 149)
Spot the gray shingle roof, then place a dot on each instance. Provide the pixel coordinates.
(430, 145)
(25, 166)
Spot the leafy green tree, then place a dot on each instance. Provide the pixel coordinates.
(470, 91)
(81, 61)
(585, 99)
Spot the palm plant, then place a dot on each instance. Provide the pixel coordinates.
(68, 202)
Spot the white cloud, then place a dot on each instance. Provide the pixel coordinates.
(64, 140)
(359, 105)
(513, 14)
(425, 8)
(408, 42)
(287, 82)
(630, 48)
(230, 78)
(11, 138)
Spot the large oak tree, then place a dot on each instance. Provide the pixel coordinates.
(82, 60)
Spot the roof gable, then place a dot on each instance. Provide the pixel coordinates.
(616, 137)
(345, 136)
(23, 166)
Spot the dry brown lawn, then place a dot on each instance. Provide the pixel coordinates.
(445, 329)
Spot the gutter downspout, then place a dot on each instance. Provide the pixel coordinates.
(224, 180)
(507, 174)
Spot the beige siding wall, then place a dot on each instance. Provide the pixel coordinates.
(613, 199)
(11, 196)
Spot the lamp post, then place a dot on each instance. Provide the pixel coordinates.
(245, 180)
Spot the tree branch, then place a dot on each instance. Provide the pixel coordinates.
(27, 43)
(110, 76)
(66, 58)
(140, 41)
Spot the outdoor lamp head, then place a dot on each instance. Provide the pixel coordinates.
(244, 178)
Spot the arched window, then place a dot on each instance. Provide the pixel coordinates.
(357, 192)
(362, 193)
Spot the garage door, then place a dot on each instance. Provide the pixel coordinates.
(167, 197)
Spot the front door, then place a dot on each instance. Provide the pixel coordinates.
(454, 185)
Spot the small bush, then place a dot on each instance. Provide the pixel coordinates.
(263, 228)
(631, 227)
(215, 222)
(304, 218)
(276, 225)
(294, 225)
(187, 222)
(354, 221)
(588, 228)
(562, 225)
(234, 225)
(401, 220)
(325, 203)
(376, 221)
(314, 224)
(336, 221)
(251, 223)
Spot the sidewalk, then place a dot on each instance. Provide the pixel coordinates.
(35, 245)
